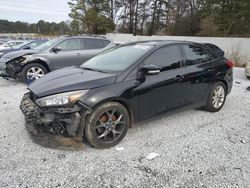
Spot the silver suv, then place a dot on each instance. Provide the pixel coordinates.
(52, 55)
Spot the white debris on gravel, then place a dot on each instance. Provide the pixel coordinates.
(152, 156)
(119, 148)
(197, 149)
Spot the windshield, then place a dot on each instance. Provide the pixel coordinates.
(116, 59)
(47, 45)
(20, 45)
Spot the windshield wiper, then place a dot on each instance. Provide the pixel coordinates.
(91, 69)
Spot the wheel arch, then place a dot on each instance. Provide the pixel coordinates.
(226, 84)
(120, 101)
(40, 61)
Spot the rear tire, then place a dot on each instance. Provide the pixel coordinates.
(217, 97)
(32, 72)
(107, 125)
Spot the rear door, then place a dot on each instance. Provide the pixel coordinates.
(200, 72)
(165, 91)
(70, 54)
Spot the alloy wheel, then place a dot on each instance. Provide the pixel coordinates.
(218, 97)
(35, 73)
(110, 125)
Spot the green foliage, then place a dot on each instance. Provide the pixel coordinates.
(148, 17)
(42, 27)
(92, 16)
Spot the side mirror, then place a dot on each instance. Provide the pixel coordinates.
(148, 70)
(27, 48)
(56, 49)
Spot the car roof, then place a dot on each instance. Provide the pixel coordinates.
(16, 41)
(159, 42)
(87, 36)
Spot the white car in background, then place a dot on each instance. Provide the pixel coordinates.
(247, 70)
(10, 44)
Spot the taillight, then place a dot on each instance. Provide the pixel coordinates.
(230, 64)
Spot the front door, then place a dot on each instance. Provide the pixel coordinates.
(69, 55)
(165, 91)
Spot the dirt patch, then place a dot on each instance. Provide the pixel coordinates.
(57, 142)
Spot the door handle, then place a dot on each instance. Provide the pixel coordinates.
(179, 77)
(211, 70)
(78, 54)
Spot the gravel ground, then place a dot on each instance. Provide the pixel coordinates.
(196, 149)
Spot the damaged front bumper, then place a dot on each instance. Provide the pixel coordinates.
(3, 72)
(13, 68)
(67, 122)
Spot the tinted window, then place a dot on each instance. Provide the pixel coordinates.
(70, 44)
(91, 44)
(195, 55)
(104, 42)
(166, 58)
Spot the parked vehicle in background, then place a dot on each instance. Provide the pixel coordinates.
(10, 44)
(28, 45)
(2, 41)
(126, 84)
(55, 54)
(247, 70)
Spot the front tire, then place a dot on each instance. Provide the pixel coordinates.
(33, 71)
(217, 97)
(107, 125)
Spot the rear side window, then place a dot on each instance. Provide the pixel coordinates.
(104, 42)
(166, 58)
(195, 55)
(91, 44)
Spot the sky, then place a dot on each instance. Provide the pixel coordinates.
(32, 11)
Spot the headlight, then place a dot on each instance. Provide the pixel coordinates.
(61, 99)
(5, 59)
(1, 53)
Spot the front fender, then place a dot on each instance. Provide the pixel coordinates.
(33, 59)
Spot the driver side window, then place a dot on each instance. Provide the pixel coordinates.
(167, 58)
(70, 45)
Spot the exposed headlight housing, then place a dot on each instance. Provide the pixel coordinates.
(61, 99)
(20, 59)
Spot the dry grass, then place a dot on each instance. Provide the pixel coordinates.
(239, 59)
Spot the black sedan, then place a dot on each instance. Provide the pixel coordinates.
(102, 98)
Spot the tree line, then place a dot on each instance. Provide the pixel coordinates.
(171, 17)
(41, 27)
(147, 17)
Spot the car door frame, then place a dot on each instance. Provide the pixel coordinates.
(132, 76)
(203, 71)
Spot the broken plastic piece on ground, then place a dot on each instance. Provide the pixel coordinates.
(152, 156)
(243, 141)
(238, 82)
(119, 148)
(248, 88)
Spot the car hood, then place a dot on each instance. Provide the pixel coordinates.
(19, 53)
(70, 79)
